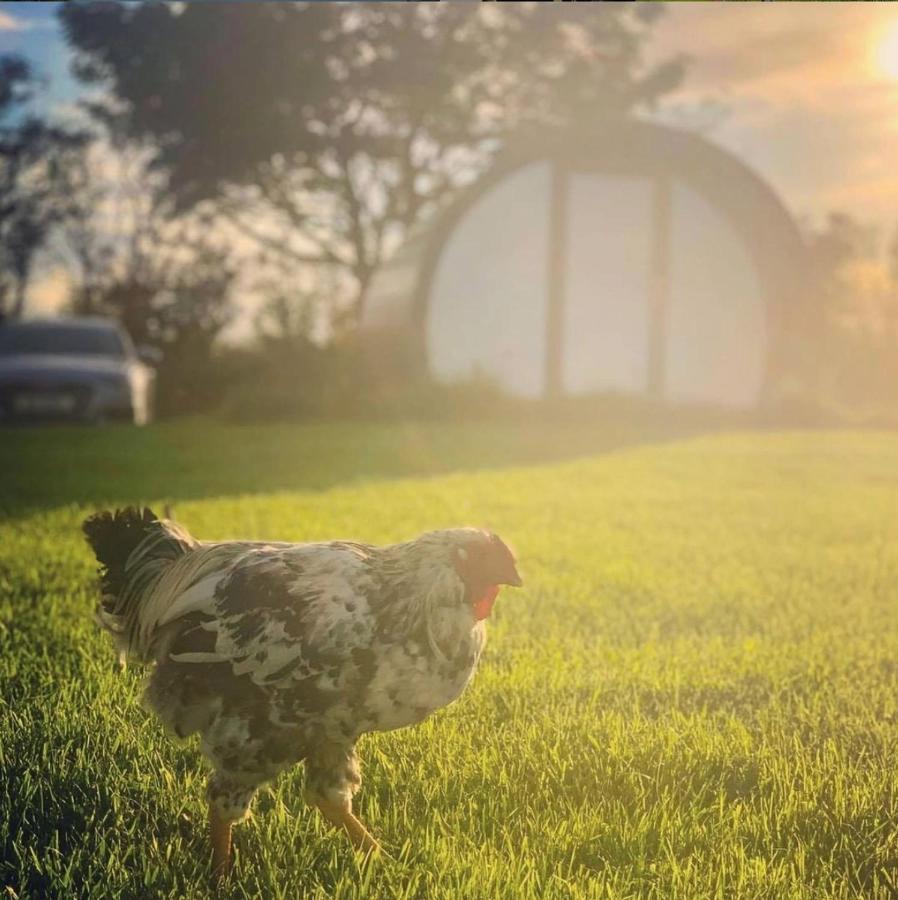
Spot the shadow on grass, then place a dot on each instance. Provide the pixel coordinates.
(42, 468)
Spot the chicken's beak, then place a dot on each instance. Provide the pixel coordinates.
(513, 579)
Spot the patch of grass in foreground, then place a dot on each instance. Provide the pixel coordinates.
(695, 695)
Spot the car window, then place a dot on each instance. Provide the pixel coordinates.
(65, 339)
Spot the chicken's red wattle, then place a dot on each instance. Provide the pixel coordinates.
(484, 605)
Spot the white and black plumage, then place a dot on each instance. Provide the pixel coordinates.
(278, 652)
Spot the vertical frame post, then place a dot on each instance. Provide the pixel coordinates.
(659, 289)
(555, 286)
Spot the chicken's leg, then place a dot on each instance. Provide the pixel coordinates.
(340, 815)
(220, 835)
(229, 795)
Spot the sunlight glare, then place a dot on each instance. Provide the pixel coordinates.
(887, 51)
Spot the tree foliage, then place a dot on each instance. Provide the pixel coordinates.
(166, 276)
(856, 314)
(327, 131)
(33, 159)
(132, 256)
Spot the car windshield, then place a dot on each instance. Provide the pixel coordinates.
(82, 340)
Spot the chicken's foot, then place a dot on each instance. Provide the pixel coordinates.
(340, 815)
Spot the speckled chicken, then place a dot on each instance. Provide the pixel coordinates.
(276, 653)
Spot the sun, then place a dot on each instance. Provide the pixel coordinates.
(887, 51)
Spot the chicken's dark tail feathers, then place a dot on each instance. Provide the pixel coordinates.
(114, 536)
(133, 546)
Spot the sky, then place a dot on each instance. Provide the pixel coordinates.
(809, 95)
(31, 29)
(805, 94)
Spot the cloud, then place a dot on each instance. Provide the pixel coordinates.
(782, 54)
(804, 103)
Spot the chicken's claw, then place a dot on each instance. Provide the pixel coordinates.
(340, 815)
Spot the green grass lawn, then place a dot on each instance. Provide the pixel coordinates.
(695, 695)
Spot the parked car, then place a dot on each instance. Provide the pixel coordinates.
(76, 369)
